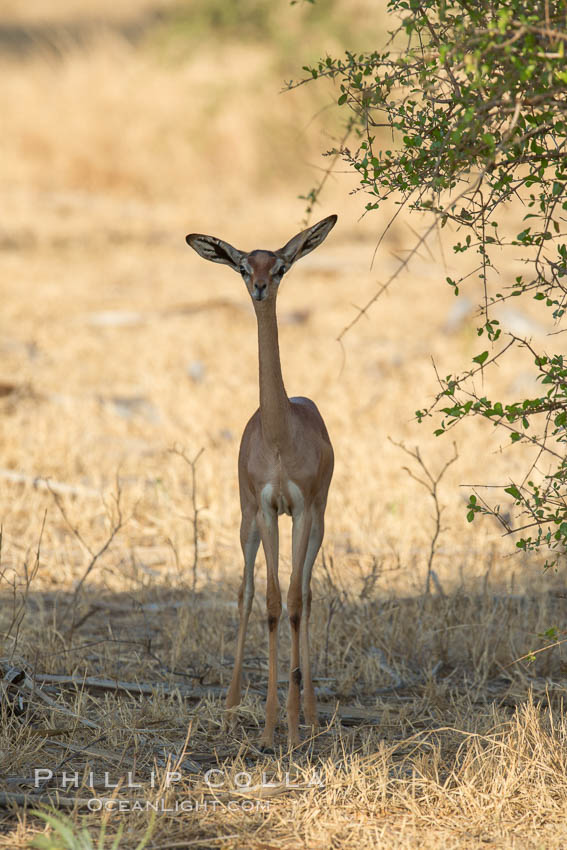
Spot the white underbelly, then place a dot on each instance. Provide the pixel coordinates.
(286, 499)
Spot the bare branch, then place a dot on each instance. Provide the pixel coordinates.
(431, 485)
(193, 466)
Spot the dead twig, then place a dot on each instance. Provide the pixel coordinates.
(193, 466)
(19, 609)
(116, 526)
(431, 484)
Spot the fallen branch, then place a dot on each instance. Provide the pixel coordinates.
(30, 685)
(16, 680)
(39, 482)
(14, 798)
(138, 688)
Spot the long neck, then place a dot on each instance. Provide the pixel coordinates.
(274, 403)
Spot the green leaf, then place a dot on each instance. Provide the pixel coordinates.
(501, 54)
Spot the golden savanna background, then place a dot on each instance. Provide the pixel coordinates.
(128, 371)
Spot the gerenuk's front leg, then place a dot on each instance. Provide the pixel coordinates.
(268, 527)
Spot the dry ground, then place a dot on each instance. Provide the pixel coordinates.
(120, 562)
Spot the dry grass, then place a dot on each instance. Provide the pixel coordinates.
(118, 345)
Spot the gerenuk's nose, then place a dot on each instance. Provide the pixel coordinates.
(259, 291)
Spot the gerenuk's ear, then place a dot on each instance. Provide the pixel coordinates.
(215, 250)
(307, 240)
